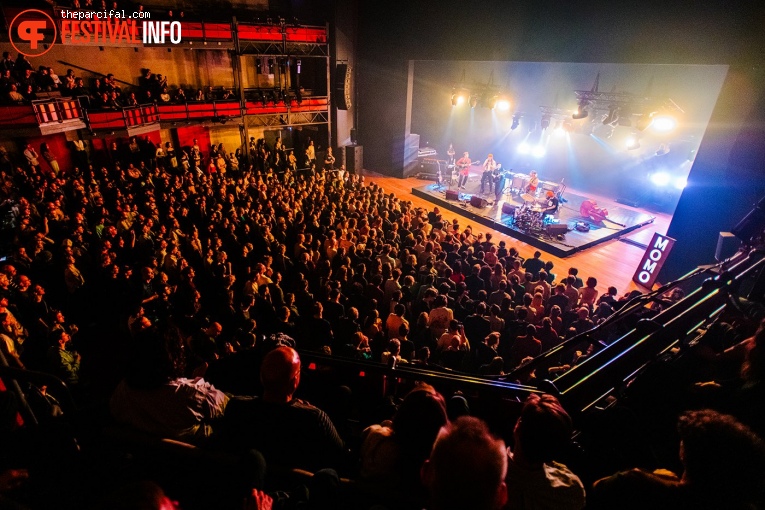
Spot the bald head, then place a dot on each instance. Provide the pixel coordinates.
(280, 374)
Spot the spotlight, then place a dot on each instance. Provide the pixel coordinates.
(663, 123)
(568, 126)
(545, 122)
(538, 151)
(491, 103)
(516, 122)
(454, 99)
(559, 129)
(633, 143)
(503, 104)
(524, 148)
(660, 179)
(680, 183)
(473, 101)
(580, 113)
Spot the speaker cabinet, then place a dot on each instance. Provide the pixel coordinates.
(342, 96)
(478, 202)
(452, 194)
(354, 158)
(508, 208)
(727, 246)
(555, 229)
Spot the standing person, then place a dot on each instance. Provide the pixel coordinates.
(499, 181)
(50, 158)
(450, 152)
(489, 166)
(310, 154)
(463, 166)
(32, 157)
(329, 160)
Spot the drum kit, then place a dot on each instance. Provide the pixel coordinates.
(530, 216)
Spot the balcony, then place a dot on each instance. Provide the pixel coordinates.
(43, 117)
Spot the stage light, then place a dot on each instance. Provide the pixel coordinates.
(568, 126)
(454, 99)
(660, 178)
(503, 104)
(663, 123)
(559, 129)
(580, 113)
(545, 122)
(491, 103)
(516, 122)
(538, 151)
(680, 183)
(473, 101)
(633, 143)
(524, 148)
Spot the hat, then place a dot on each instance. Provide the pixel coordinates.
(550, 193)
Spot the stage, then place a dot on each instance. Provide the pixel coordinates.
(620, 220)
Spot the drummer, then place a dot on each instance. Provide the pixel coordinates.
(552, 204)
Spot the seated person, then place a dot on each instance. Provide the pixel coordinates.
(466, 468)
(153, 398)
(534, 478)
(287, 431)
(551, 207)
(723, 463)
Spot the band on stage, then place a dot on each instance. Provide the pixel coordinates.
(495, 179)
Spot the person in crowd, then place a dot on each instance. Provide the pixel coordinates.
(154, 397)
(535, 476)
(464, 455)
(723, 467)
(288, 431)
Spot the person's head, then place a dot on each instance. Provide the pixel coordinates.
(721, 456)
(592, 282)
(466, 455)
(419, 418)
(280, 374)
(543, 430)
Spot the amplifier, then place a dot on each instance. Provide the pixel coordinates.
(452, 194)
(479, 202)
(557, 229)
(508, 208)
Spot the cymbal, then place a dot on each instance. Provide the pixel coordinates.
(528, 198)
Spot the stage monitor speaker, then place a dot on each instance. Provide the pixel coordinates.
(727, 246)
(555, 229)
(452, 194)
(354, 158)
(478, 202)
(508, 208)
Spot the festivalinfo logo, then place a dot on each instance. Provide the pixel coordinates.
(33, 32)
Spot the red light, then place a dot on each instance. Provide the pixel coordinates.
(312, 366)
(362, 374)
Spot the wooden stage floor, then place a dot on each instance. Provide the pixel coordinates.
(612, 262)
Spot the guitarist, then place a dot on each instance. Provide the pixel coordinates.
(489, 166)
(463, 166)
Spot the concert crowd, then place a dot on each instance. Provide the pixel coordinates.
(179, 295)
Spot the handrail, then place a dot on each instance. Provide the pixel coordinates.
(587, 383)
(459, 380)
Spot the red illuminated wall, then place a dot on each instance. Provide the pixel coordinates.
(186, 137)
(58, 146)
